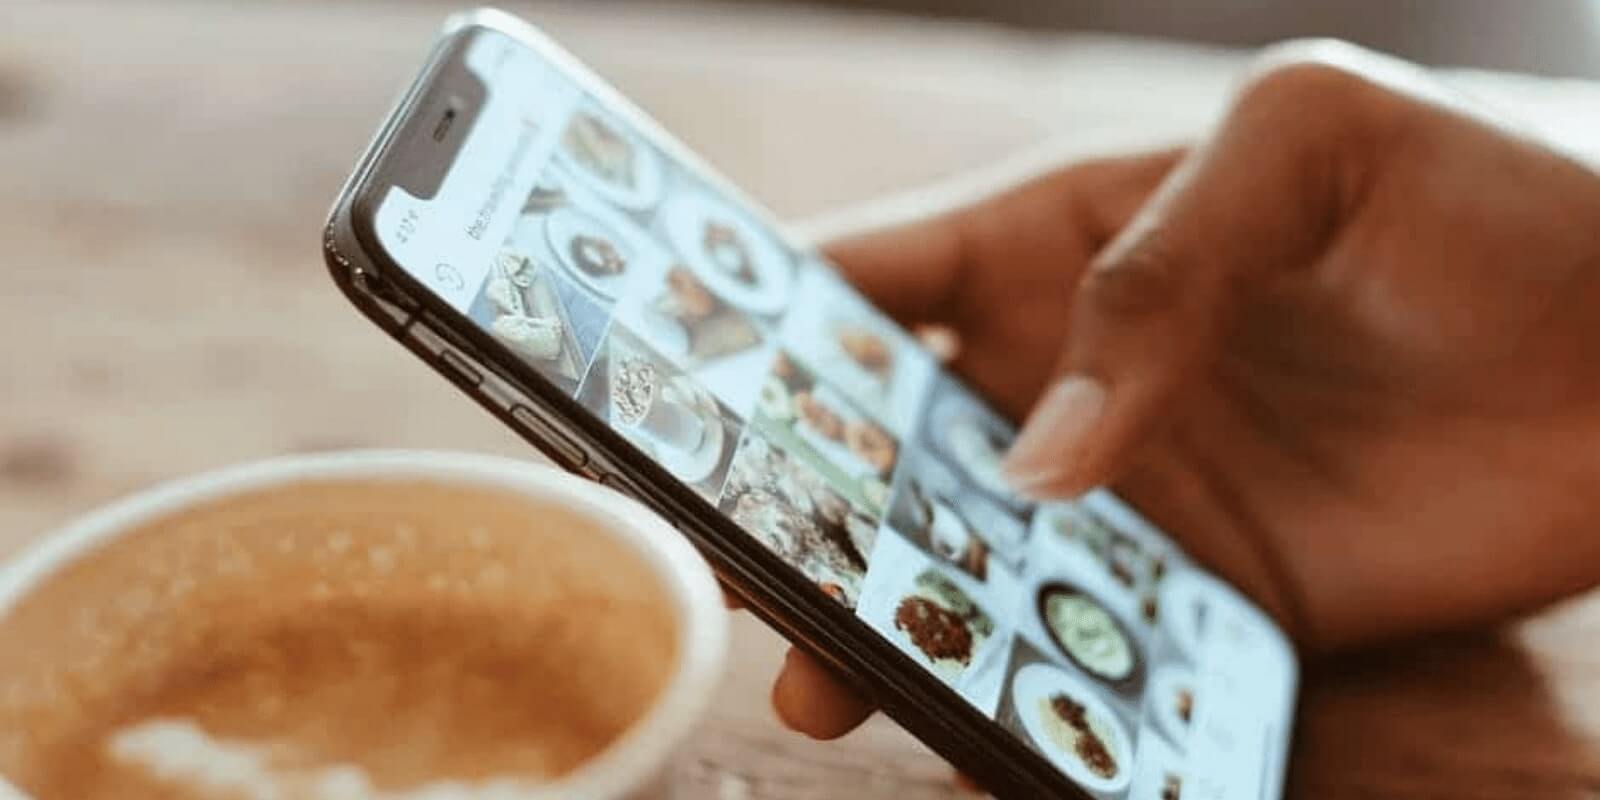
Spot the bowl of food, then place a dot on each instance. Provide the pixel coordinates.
(1089, 635)
(596, 255)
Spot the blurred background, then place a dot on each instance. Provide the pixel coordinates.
(1555, 37)
(165, 167)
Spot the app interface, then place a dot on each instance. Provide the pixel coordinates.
(751, 371)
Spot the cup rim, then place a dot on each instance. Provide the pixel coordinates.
(626, 764)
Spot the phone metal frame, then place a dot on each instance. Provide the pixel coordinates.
(573, 438)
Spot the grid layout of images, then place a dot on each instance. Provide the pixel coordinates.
(762, 381)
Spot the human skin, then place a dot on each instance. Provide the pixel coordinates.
(1346, 350)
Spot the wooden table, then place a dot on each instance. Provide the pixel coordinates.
(164, 168)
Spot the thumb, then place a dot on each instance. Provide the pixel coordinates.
(1263, 197)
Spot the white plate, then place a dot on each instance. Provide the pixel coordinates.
(568, 223)
(819, 342)
(686, 217)
(969, 439)
(666, 333)
(838, 453)
(997, 526)
(647, 174)
(1038, 681)
(948, 534)
(871, 387)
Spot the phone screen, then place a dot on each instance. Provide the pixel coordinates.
(626, 275)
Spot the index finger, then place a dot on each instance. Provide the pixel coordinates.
(913, 270)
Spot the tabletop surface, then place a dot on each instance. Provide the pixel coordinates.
(164, 168)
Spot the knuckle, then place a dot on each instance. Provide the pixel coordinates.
(1322, 101)
(1137, 283)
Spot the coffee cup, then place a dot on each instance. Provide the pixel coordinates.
(386, 624)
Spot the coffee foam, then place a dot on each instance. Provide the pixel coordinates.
(400, 608)
(179, 752)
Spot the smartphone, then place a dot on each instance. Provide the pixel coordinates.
(549, 249)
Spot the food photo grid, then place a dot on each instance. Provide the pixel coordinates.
(758, 378)
(1075, 625)
(575, 247)
(868, 357)
(1086, 646)
(812, 419)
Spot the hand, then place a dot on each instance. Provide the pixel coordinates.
(1346, 350)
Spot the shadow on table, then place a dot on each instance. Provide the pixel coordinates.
(1463, 716)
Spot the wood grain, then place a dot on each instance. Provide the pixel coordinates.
(164, 168)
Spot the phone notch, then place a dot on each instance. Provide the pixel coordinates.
(437, 128)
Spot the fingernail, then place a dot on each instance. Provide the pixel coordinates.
(1043, 453)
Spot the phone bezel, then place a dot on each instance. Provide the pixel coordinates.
(772, 589)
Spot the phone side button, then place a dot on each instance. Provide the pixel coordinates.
(459, 365)
(567, 449)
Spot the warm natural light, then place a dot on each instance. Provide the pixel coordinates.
(886, 400)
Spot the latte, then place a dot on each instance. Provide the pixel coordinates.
(333, 639)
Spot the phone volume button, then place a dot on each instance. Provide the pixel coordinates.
(459, 365)
(620, 484)
(565, 449)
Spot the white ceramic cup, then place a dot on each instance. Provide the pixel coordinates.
(634, 765)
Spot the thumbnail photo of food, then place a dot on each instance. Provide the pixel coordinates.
(1198, 608)
(795, 512)
(1135, 560)
(541, 316)
(613, 162)
(1160, 772)
(733, 252)
(973, 437)
(1088, 634)
(820, 425)
(1078, 616)
(566, 223)
(1170, 703)
(696, 329)
(938, 617)
(1068, 721)
(946, 518)
(661, 411)
(1181, 605)
(856, 348)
